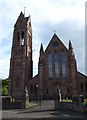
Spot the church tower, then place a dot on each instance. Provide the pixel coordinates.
(21, 64)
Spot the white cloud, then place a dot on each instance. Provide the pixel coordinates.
(42, 12)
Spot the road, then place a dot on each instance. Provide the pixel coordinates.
(44, 111)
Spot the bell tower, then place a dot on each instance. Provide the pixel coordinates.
(21, 64)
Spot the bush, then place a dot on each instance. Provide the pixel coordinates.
(5, 90)
(85, 100)
(5, 82)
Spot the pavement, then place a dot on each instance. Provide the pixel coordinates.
(43, 111)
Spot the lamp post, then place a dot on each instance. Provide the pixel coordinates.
(37, 93)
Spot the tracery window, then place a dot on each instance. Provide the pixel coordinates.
(56, 64)
(50, 65)
(22, 35)
(63, 64)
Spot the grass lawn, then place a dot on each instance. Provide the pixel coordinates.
(32, 104)
(67, 100)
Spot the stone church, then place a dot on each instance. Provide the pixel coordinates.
(57, 67)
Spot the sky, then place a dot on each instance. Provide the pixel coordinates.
(65, 17)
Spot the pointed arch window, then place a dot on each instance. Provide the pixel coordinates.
(56, 64)
(17, 82)
(82, 87)
(63, 64)
(50, 65)
(31, 88)
(22, 35)
(18, 36)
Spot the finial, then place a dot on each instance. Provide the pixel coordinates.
(70, 45)
(41, 48)
(54, 32)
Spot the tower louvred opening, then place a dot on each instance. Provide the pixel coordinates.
(22, 34)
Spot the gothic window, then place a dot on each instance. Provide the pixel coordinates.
(16, 51)
(22, 50)
(35, 89)
(31, 88)
(17, 82)
(18, 36)
(68, 91)
(63, 65)
(55, 44)
(29, 24)
(19, 51)
(47, 91)
(82, 87)
(50, 65)
(56, 64)
(22, 35)
(17, 63)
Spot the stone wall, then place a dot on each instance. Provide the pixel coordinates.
(69, 105)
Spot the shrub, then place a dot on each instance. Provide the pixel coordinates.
(85, 100)
(5, 91)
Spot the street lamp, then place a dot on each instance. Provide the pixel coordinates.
(37, 86)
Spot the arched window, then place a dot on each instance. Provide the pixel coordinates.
(56, 64)
(35, 89)
(50, 65)
(63, 65)
(22, 35)
(17, 82)
(47, 91)
(31, 88)
(82, 87)
(18, 36)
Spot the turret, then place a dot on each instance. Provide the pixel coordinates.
(73, 66)
(41, 71)
(41, 53)
(41, 49)
(71, 51)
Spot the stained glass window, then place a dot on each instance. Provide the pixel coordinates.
(63, 65)
(56, 65)
(50, 65)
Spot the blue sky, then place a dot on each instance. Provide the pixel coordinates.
(66, 17)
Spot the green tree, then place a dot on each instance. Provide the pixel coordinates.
(5, 90)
